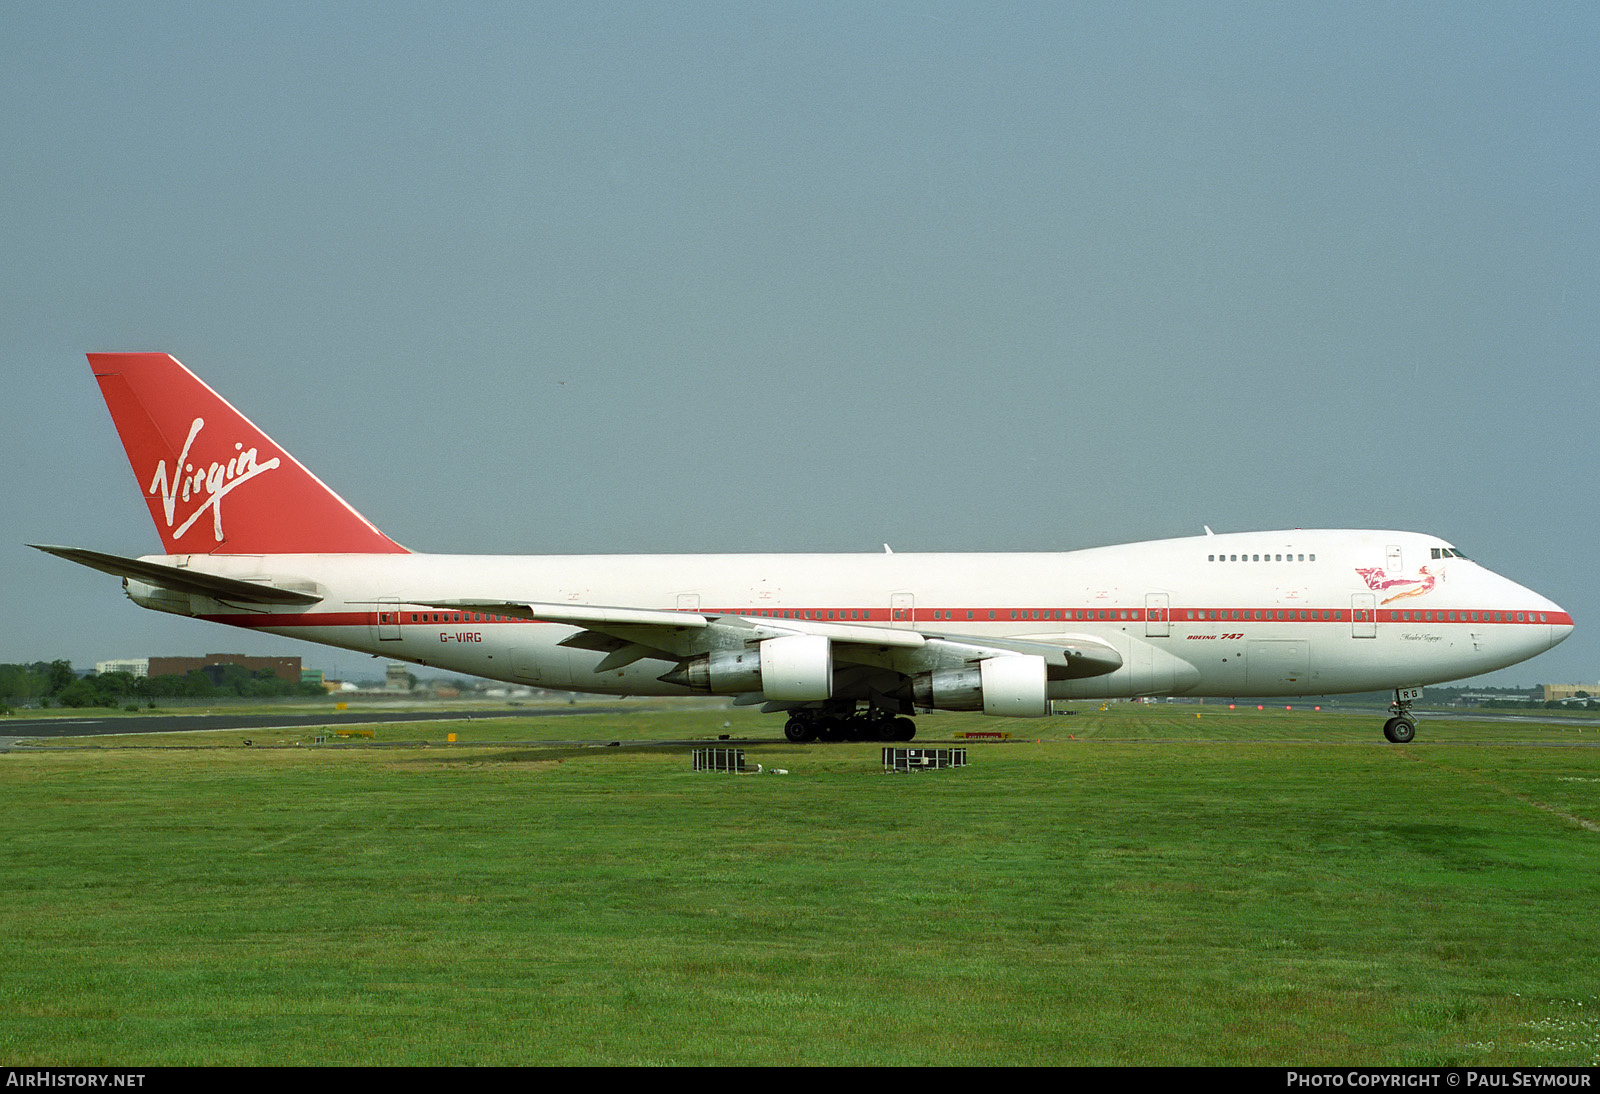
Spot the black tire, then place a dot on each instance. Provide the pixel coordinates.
(1400, 731)
(799, 730)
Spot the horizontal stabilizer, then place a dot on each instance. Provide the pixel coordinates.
(180, 579)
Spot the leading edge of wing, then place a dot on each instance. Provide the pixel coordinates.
(605, 619)
(679, 634)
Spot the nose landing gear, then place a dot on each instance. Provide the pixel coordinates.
(1402, 727)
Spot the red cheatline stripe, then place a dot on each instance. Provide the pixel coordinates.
(1181, 617)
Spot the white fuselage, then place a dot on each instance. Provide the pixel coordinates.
(1259, 613)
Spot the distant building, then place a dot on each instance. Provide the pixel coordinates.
(397, 678)
(212, 664)
(134, 666)
(1570, 691)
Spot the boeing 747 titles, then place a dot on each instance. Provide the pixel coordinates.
(847, 646)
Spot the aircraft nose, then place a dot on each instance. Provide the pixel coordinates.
(1559, 620)
(1560, 629)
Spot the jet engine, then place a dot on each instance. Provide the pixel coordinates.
(796, 667)
(1008, 687)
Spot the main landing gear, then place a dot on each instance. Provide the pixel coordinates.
(1402, 727)
(874, 725)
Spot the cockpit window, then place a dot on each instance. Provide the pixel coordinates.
(1447, 552)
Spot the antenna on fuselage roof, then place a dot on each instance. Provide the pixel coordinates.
(887, 550)
(1207, 527)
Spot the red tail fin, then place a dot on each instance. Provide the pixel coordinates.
(215, 483)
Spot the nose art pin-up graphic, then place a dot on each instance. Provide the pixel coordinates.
(845, 646)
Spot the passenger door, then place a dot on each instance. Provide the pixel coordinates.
(1157, 616)
(1363, 615)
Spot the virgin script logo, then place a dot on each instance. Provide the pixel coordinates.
(187, 482)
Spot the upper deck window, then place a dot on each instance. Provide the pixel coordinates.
(1294, 557)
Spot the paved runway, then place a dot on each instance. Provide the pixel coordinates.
(90, 726)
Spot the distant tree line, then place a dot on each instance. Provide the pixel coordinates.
(1508, 698)
(54, 683)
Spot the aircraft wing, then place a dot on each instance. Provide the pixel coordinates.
(182, 579)
(631, 634)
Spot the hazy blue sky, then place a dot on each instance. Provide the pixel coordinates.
(599, 277)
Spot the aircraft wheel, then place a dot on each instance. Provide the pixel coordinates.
(904, 729)
(798, 730)
(1400, 731)
(886, 730)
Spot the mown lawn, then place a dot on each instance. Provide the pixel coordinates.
(1133, 885)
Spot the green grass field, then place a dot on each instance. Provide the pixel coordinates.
(1132, 885)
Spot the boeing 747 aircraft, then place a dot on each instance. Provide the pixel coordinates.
(847, 646)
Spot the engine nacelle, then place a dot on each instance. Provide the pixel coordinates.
(796, 667)
(1005, 687)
